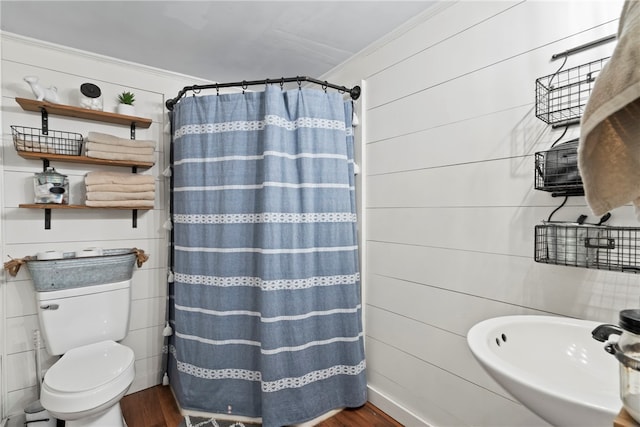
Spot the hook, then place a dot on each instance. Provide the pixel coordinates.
(281, 83)
(244, 86)
(604, 218)
(324, 86)
(299, 82)
(556, 73)
(217, 90)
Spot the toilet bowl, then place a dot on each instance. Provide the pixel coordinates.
(83, 325)
(85, 385)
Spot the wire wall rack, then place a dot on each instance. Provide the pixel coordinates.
(556, 170)
(562, 96)
(589, 246)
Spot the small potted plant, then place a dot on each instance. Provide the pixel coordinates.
(125, 103)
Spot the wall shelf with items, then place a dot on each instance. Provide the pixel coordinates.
(49, 145)
(46, 108)
(588, 246)
(562, 96)
(560, 100)
(556, 170)
(83, 159)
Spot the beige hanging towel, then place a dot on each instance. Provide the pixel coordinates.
(609, 148)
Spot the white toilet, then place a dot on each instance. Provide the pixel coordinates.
(85, 385)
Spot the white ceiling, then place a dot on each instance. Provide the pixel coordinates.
(216, 40)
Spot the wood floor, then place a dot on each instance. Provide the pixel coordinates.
(156, 407)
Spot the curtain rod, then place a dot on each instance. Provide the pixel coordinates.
(354, 91)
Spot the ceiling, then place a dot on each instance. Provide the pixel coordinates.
(215, 40)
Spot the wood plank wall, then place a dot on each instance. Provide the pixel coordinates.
(449, 134)
(22, 230)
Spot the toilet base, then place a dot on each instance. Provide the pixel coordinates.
(111, 418)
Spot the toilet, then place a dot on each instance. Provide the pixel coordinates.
(83, 324)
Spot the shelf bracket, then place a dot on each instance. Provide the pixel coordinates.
(45, 121)
(47, 219)
(133, 130)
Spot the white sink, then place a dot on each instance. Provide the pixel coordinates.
(552, 365)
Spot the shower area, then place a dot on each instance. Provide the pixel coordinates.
(265, 299)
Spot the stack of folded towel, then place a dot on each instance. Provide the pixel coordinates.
(109, 147)
(115, 189)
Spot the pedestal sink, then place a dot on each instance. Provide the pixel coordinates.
(552, 366)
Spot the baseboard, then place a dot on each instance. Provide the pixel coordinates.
(395, 410)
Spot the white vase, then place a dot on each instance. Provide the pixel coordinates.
(126, 109)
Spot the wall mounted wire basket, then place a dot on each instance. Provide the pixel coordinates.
(561, 96)
(53, 142)
(588, 246)
(556, 170)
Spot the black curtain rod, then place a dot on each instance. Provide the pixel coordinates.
(354, 91)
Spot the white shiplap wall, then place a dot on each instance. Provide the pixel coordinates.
(22, 230)
(449, 138)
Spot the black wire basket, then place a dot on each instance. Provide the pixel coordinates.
(561, 96)
(54, 142)
(556, 170)
(588, 246)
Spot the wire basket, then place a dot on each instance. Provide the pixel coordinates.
(561, 96)
(556, 170)
(54, 142)
(588, 246)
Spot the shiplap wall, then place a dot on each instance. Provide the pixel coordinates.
(449, 138)
(22, 230)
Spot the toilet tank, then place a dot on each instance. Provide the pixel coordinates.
(75, 317)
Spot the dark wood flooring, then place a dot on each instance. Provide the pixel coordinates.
(156, 407)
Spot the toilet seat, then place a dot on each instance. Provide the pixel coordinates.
(87, 377)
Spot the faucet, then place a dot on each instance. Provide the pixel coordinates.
(602, 332)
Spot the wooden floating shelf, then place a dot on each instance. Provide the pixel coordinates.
(48, 207)
(82, 159)
(83, 113)
(46, 108)
(61, 206)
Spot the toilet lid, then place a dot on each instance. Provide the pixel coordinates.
(88, 367)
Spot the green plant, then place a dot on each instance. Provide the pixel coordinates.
(126, 98)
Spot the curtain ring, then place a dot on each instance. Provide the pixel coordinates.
(217, 90)
(324, 86)
(195, 92)
(299, 82)
(244, 86)
(281, 83)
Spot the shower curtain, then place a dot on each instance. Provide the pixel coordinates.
(266, 305)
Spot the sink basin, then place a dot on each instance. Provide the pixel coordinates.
(552, 366)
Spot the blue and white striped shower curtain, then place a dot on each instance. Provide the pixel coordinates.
(266, 304)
